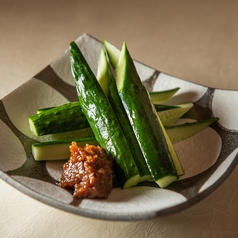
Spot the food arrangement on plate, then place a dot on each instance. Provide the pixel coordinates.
(158, 140)
(122, 118)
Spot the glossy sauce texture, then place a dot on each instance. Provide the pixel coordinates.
(88, 171)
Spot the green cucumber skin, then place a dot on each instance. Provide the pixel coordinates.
(41, 110)
(58, 119)
(101, 118)
(164, 107)
(74, 119)
(119, 110)
(176, 134)
(68, 135)
(158, 106)
(144, 121)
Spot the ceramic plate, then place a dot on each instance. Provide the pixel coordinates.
(208, 157)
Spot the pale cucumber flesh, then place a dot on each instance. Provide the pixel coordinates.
(102, 71)
(173, 153)
(169, 117)
(181, 132)
(57, 150)
(165, 181)
(113, 53)
(162, 96)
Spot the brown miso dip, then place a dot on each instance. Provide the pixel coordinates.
(88, 171)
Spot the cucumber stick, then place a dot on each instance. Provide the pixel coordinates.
(102, 72)
(112, 52)
(169, 117)
(102, 119)
(144, 120)
(69, 116)
(163, 96)
(107, 77)
(58, 119)
(183, 131)
(157, 97)
(59, 149)
(67, 135)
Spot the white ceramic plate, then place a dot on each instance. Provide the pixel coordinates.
(208, 157)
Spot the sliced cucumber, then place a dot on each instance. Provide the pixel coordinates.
(164, 107)
(176, 162)
(112, 52)
(163, 96)
(119, 110)
(157, 97)
(46, 150)
(183, 131)
(57, 119)
(143, 118)
(57, 150)
(68, 135)
(69, 117)
(41, 110)
(102, 119)
(102, 71)
(169, 117)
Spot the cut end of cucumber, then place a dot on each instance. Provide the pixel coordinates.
(146, 178)
(120, 69)
(132, 182)
(102, 75)
(32, 127)
(166, 181)
(113, 53)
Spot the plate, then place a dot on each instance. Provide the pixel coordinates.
(208, 157)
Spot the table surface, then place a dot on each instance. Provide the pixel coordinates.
(193, 40)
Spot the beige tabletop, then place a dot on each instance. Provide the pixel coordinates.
(194, 40)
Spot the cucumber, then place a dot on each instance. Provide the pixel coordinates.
(163, 96)
(102, 72)
(69, 117)
(114, 99)
(175, 159)
(56, 120)
(81, 133)
(57, 150)
(157, 97)
(46, 150)
(148, 130)
(102, 119)
(164, 107)
(183, 131)
(41, 110)
(169, 117)
(112, 52)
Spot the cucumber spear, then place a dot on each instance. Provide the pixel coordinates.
(103, 122)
